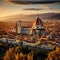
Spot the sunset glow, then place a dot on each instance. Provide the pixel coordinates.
(7, 9)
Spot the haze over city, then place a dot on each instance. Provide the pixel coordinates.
(8, 8)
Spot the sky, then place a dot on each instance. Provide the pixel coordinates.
(28, 7)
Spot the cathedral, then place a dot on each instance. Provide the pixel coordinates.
(37, 27)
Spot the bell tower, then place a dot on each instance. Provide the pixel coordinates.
(18, 27)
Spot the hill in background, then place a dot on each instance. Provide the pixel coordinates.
(44, 16)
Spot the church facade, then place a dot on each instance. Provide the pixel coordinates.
(38, 28)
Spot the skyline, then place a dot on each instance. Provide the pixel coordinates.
(7, 8)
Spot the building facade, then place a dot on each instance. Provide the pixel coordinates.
(25, 30)
(38, 28)
(22, 29)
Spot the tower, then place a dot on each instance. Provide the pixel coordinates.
(38, 28)
(18, 27)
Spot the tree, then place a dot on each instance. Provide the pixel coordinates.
(54, 55)
(30, 55)
(10, 54)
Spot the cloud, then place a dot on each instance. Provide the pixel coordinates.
(32, 1)
(46, 7)
(42, 7)
(32, 9)
(7, 1)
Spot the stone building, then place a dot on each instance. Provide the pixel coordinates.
(37, 27)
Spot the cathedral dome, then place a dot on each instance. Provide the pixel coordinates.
(38, 21)
(37, 24)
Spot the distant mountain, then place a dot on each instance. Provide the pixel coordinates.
(55, 16)
(44, 16)
(52, 16)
